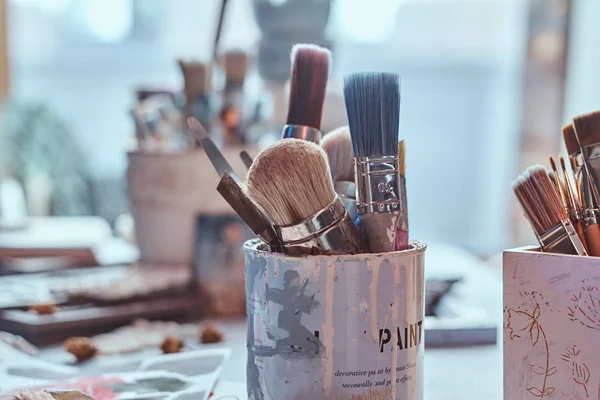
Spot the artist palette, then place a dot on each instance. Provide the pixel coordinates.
(182, 376)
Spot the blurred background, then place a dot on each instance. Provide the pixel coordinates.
(486, 86)
(464, 84)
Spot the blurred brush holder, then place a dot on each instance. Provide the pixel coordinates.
(335, 327)
(180, 218)
(551, 325)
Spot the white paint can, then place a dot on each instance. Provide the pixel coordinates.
(335, 327)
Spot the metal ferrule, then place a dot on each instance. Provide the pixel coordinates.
(301, 132)
(581, 183)
(377, 180)
(329, 231)
(347, 192)
(591, 216)
(562, 239)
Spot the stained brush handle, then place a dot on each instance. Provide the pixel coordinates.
(402, 234)
(233, 193)
(581, 233)
(592, 234)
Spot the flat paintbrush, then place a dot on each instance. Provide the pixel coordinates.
(373, 109)
(542, 206)
(587, 131)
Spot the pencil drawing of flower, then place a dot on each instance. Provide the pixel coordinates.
(522, 324)
(525, 325)
(586, 307)
(580, 371)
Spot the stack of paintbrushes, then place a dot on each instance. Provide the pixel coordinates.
(346, 196)
(228, 113)
(564, 212)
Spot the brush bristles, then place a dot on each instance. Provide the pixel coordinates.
(552, 178)
(539, 199)
(338, 146)
(373, 109)
(587, 128)
(235, 63)
(196, 76)
(290, 181)
(401, 158)
(310, 71)
(570, 139)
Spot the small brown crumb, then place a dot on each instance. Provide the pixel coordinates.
(171, 344)
(81, 347)
(211, 334)
(44, 309)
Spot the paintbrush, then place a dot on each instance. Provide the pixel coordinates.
(373, 109)
(235, 64)
(219, 29)
(232, 190)
(543, 209)
(587, 132)
(246, 159)
(576, 161)
(291, 182)
(308, 83)
(402, 233)
(143, 134)
(558, 184)
(338, 146)
(574, 208)
(233, 110)
(197, 89)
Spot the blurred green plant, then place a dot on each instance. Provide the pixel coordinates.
(35, 141)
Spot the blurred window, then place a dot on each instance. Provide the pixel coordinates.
(460, 61)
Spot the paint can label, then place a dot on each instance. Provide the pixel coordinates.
(335, 327)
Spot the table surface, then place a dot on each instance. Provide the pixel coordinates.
(466, 373)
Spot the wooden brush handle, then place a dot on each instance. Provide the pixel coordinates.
(592, 234)
(581, 233)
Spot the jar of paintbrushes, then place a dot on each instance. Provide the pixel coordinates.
(177, 219)
(334, 292)
(551, 291)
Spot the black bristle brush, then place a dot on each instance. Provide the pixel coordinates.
(373, 109)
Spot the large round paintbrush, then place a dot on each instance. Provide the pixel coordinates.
(308, 83)
(373, 108)
(291, 182)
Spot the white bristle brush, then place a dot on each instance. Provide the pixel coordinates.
(290, 180)
(338, 146)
